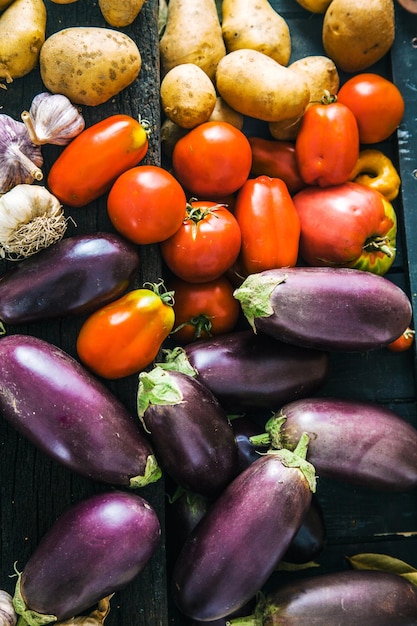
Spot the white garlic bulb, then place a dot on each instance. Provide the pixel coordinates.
(52, 118)
(31, 218)
(8, 615)
(20, 159)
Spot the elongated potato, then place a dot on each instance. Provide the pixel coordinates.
(255, 24)
(192, 35)
(188, 96)
(120, 13)
(89, 64)
(22, 33)
(4, 4)
(355, 35)
(321, 75)
(257, 86)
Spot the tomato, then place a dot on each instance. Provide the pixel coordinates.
(327, 144)
(376, 103)
(348, 225)
(205, 246)
(213, 159)
(269, 225)
(146, 204)
(124, 337)
(276, 159)
(404, 341)
(90, 163)
(203, 309)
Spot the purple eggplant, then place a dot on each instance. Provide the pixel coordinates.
(362, 443)
(327, 308)
(183, 513)
(248, 372)
(76, 275)
(347, 598)
(70, 415)
(238, 543)
(189, 430)
(94, 549)
(245, 428)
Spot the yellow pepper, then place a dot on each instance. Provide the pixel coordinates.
(374, 169)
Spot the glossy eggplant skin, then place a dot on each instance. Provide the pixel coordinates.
(95, 548)
(334, 309)
(362, 443)
(249, 372)
(238, 543)
(346, 598)
(70, 415)
(192, 438)
(76, 275)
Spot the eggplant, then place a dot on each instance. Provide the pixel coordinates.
(237, 544)
(74, 276)
(326, 308)
(362, 443)
(183, 513)
(244, 428)
(345, 598)
(95, 548)
(189, 430)
(66, 412)
(248, 372)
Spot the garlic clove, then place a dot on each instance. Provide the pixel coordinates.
(31, 218)
(8, 616)
(20, 160)
(52, 118)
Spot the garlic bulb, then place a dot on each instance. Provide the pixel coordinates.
(31, 218)
(8, 615)
(96, 618)
(52, 118)
(20, 160)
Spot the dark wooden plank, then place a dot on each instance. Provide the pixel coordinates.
(33, 490)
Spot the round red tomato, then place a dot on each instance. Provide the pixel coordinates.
(205, 246)
(203, 309)
(376, 103)
(146, 204)
(213, 159)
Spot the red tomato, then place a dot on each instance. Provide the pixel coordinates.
(376, 103)
(146, 204)
(205, 246)
(213, 159)
(203, 309)
(404, 341)
(327, 144)
(277, 159)
(90, 163)
(269, 224)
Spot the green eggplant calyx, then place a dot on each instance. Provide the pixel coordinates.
(28, 617)
(297, 459)
(272, 436)
(176, 360)
(257, 617)
(156, 387)
(152, 473)
(254, 295)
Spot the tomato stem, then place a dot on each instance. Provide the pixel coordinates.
(160, 290)
(379, 244)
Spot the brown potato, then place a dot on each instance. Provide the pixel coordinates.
(222, 112)
(255, 85)
(258, 26)
(120, 13)
(315, 6)
(188, 96)
(321, 75)
(357, 35)
(89, 64)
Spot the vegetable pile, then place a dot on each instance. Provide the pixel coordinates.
(273, 212)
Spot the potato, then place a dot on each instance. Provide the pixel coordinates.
(257, 86)
(187, 95)
(357, 35)
(4, 4)
(321, 75)
(120, 13)
(22, 33)
(315, 6)
(89, 64)
(258, 26)
(222, 112)
(192, 35)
